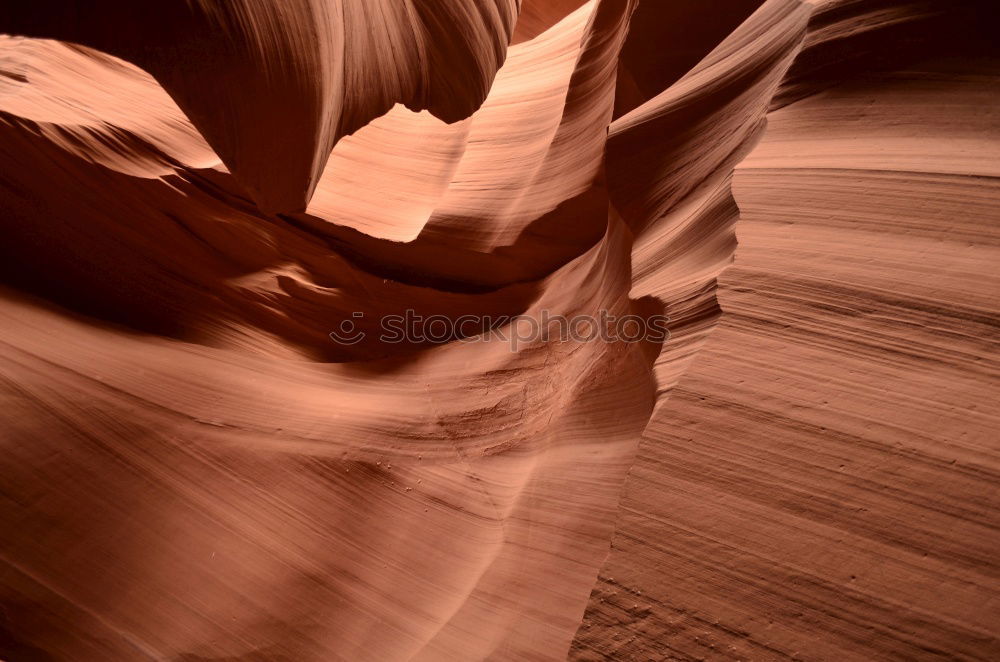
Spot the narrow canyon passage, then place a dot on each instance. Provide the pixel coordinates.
(214, 451)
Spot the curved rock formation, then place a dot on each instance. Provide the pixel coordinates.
(821, 484)
(200, 201)
(274, 85)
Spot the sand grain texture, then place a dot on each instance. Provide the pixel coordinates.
(193, 195)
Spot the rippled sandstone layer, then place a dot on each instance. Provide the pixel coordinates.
(193, 196)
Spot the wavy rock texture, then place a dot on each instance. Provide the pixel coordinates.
(821, 484)
(193, 195)
(274, 85)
